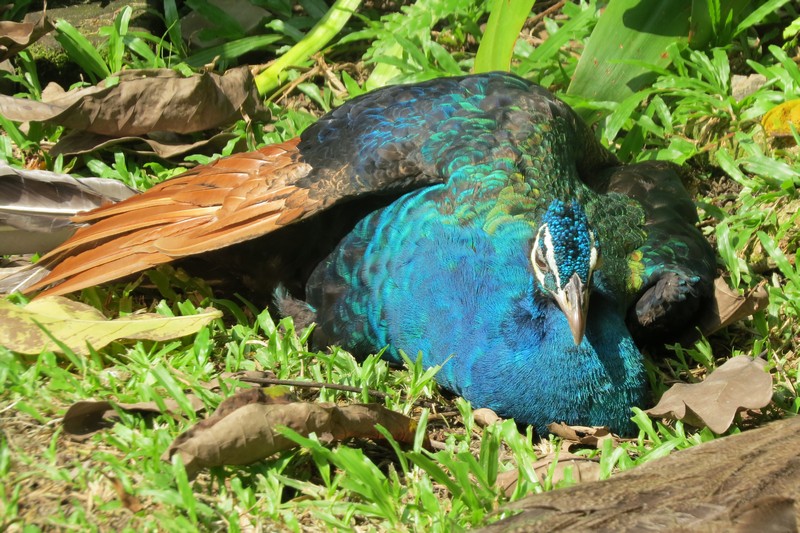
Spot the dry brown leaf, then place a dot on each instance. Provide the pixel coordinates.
(252, 431)
(275, 395)
(580, 470)
(144, 101)
(16, 36)
(485, 417)
(128, 500)
(164, 146)
(84, 419)
(744, 86)
(585, 435)
(729, 306)
(740, 383)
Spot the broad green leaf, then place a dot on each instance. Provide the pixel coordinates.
(224, 24)
(116, 45)
(629, 35)
(173, 22)
(76, 325)
(712, 21)
(790, 271)
(502, 29)
(759, 13)
(445, 60)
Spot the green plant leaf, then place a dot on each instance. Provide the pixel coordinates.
(173, 23)
(629, 35)
(231, 50)
(325, 30)
(80, 50)
(502, 29)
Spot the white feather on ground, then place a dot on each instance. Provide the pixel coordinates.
(36, 208)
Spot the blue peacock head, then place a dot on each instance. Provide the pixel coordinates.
(564, 255)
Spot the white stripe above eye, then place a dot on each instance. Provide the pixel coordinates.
(544, 240)
(550, 255)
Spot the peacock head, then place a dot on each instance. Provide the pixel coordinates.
(564, 255)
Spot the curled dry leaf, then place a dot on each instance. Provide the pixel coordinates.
(562, 464)
(485, 417)
(84, 419)
(584, 435)
(729, 306)
(17, 36)
(251, 432)
(740, 383)
(268, 396)
(166, 146)
(144, 101)
(77, 325)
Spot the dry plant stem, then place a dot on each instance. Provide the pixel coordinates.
(312, 385)
(336, 386)
(549, 11)
(287, 90)
(328, 72)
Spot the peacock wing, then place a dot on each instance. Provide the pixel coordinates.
(212, 206)
(671, 272)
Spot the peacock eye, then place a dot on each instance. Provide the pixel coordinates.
(541, 262)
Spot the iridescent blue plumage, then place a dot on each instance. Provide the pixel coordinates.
(468, 301)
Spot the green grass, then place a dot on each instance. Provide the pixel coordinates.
(747, 191)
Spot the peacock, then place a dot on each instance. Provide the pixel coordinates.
(473, 220)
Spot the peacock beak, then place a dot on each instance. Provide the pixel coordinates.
(573, 300)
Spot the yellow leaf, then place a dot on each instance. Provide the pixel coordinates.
(79, 325)
(777, 120)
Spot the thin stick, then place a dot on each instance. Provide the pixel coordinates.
(312, 385)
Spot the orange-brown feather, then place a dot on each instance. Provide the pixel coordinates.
(230, 200)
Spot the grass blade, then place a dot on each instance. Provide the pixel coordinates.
(80, 50)
(502, 29)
